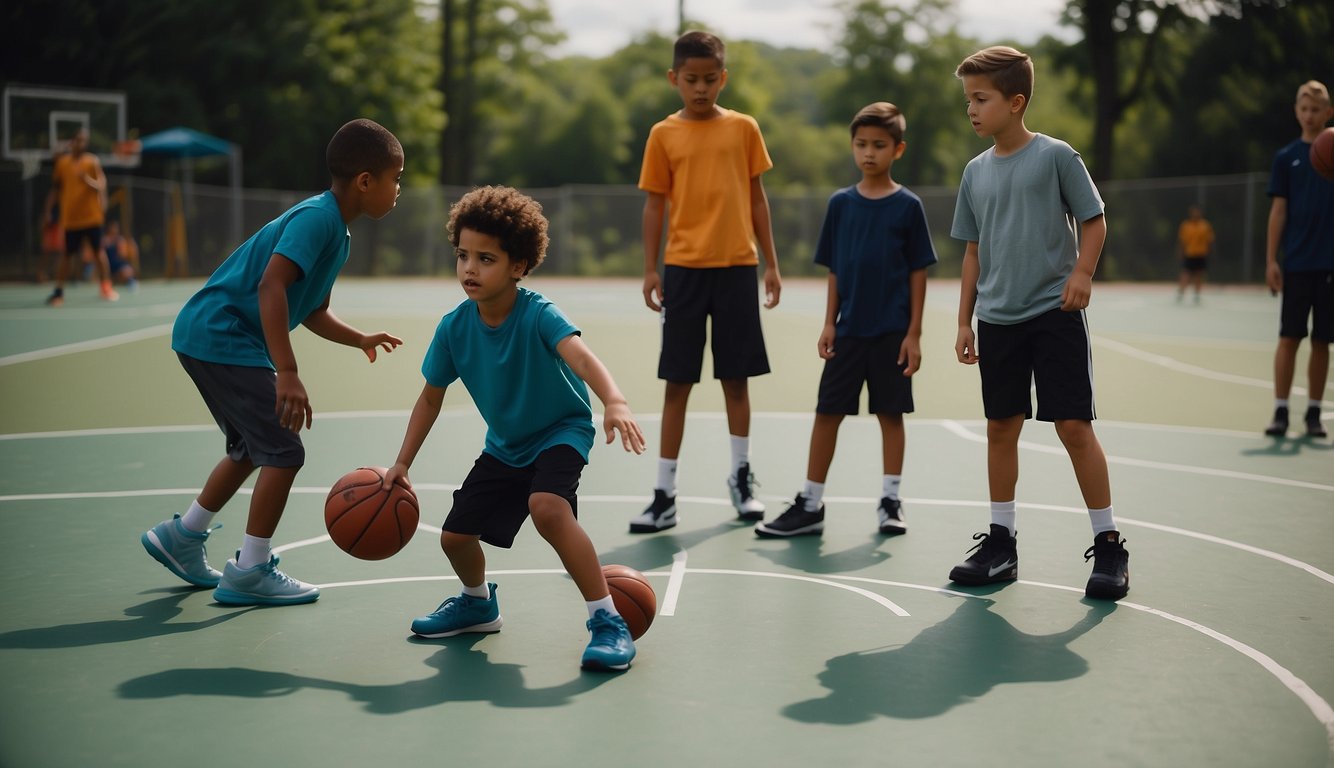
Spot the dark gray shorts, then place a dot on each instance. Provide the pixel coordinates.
(242, 399)
(1051, 352)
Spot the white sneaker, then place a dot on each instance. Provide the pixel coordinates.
(262, 585)
(747, 506)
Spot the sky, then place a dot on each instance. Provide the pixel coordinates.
(599, 27)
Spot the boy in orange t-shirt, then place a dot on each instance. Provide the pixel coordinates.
(706, 161)
(80, 187)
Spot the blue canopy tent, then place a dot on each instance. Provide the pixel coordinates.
(186, 144)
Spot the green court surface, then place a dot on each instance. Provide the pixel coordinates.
(850, 649)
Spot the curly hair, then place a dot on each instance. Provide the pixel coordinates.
(508, 215)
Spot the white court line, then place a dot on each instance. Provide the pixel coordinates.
(958, 429)
(592, 499)
(674, 583)
(1192, 370)
(106, 342)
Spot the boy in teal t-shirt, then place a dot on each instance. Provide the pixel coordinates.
(232, 339)
(529, 372)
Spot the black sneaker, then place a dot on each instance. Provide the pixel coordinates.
(1313, 426)
(995, 558)
(657, 516)
(1279, 426)
(739, 487)
(795, 521)
(1111, 567)
(890, 513)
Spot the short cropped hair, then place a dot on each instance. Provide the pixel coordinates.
(1314, 89)
(508, 215)
(362, 145)
(881, 114)
(698, 44)
(1011, 71)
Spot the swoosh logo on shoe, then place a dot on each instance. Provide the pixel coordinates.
(1003, 566)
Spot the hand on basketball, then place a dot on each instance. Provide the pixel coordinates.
(618, 417)
(293, 405)
(385, 341)
(396, 474)
(965, 346)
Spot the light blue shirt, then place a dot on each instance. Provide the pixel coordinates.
(530, 399)
(221, 324)
(1023, 211)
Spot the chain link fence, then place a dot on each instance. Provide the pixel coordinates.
(595, 230)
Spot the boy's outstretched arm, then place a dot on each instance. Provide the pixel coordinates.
(1079, 286)
(762, 221)
(616, 412)
(654, 209)
(293, 404)
(325, 324)
(424, 414)
(965, 344)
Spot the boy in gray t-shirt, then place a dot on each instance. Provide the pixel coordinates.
(1028, 275)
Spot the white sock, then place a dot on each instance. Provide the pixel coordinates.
(1281, 402)
(1102, 520)
(667, 476)
(196, 518)
(605, 604)
(889, 487)
(254, 551)
(481, 591)
(1002, 513)
(1316, 404)
(740, 452)
(813, 493)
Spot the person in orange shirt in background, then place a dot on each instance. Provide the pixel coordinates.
(80, 186)
(1195, 244)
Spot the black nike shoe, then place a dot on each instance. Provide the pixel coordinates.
(995, 558)
(795, 521)
(1111, 567)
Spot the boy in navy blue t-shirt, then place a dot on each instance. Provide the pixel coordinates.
(877, 247)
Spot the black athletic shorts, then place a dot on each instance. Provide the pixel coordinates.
(728, 295)
(75, 238)
(1307, 294)
(493, 501)
(1195, 264)
(873, 362)
(1052, 351)
(242, 399)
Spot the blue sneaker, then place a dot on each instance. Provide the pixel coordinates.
(263, 584)
(611, 647)
(182, 551)
(460, 614)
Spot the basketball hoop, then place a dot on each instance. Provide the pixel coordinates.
(127, 152)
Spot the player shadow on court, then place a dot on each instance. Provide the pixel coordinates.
(150, 619)
(655, 550)
(803, 553)
(463, 673)
(1289, 446)
(960, 659)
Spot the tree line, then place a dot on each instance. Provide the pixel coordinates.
(1149, 88)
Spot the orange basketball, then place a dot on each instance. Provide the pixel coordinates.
(633, 596)
(366, 521)
(1322, 154)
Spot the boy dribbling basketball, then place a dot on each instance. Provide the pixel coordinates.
(529, 372)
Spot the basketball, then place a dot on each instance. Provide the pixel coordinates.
(1322, 154)
(366, 521)
(633, 597)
